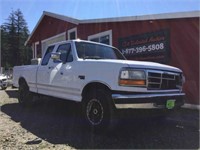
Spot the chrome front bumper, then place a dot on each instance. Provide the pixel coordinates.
(147, 101)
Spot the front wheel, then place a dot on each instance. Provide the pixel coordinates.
(98, 109)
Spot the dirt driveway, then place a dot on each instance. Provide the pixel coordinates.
(57, 124)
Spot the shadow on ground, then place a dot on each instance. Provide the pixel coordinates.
(60, 122)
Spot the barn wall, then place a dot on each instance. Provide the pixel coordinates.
(49, 27)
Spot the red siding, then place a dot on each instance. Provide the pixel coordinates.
(49, 27)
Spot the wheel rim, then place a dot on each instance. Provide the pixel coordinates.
(95, 112)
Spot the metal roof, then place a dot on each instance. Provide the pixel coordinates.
(190, 14)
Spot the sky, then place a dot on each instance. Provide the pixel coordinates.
(93, 9)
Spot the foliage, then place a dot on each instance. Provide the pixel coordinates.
(14, 33)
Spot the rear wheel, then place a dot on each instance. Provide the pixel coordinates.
(98, 109)
(25, 96)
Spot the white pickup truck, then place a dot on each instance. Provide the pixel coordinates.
(101, 78)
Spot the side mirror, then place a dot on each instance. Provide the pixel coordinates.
(55, 56)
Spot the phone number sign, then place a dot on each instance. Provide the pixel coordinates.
(152, 46)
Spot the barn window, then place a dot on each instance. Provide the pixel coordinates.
(72, 34)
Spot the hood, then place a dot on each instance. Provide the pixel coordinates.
(152, 65)
(140, 64)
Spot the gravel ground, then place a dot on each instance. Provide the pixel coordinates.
(57, 124)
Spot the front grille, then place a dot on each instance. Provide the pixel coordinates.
(160, 80)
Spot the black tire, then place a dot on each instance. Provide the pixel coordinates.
(98, 110)
(25, 96)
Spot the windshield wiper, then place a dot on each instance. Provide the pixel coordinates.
(92, 57)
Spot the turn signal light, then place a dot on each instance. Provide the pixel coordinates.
(132, 82)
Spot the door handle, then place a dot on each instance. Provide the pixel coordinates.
(51, 67)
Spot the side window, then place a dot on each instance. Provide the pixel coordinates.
(66, 53)
(47, 55)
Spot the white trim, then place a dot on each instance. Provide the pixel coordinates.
(70, 31)
(145, 17)
(35, 49)
(109, 32)
(55, 36)
(62, 17)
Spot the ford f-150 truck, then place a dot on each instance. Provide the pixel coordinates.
(101, 78)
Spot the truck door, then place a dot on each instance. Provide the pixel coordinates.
(43, 73)
(62, 77)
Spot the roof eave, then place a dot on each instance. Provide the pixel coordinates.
(61, 17)
(145, 17)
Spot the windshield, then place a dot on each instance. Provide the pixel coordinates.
(94, 51)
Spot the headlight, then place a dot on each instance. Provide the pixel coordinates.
(132, 77)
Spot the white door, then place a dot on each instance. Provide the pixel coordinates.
(63, 76)
(44, 72)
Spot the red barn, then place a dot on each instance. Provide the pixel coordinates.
(166, 38)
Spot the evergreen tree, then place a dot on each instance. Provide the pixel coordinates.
(14, 34)
(4, 47)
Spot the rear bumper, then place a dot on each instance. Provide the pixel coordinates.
(147, 101)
